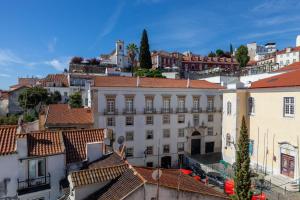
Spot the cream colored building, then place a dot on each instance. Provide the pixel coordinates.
(272, 115)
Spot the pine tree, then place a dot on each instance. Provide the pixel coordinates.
(231, 49)
(145, 56)
(242, 171)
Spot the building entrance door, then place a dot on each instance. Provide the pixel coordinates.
(196, 146)
(209, 147)
(287, 165)
(166, 161)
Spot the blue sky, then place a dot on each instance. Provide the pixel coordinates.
(38, 37)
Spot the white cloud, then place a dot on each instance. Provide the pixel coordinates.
(272, 6)
(269, 33)
(277, 20)
(58, 63)
(52, 44)
(5, 75)
(7, 57)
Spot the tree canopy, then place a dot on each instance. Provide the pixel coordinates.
(149, 73)
(76, 60)
(75, 100)
(242, 56)
(30, 98)
(132, 51)
(145, 55)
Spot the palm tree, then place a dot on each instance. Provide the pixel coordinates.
(132, 51)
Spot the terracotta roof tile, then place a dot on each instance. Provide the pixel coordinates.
(289, 79)
(61, 79)
(292, 50)
(108, 160)
(98, 175)
(8, 139)
(294, 66)
(44, 143)
(106, 81)
(75, 142)
(62, 114)
(172, 177)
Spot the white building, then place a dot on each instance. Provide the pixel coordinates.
(117, 57)
(151, 114)
(258, 52)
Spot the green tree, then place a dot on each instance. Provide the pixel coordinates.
(145, 56)
(30, 98)
(219, 52)
(242, 170)
(242, 56)
(132, 51)
(231, 49)
(149, 73)
(211, 54)
(75, 100)
(54, 97)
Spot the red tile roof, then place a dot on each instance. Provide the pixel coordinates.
(111, 81)
(63, 114)
(172, 178)
(107, 160)
(45, 143)
(75, 142)
(61, 79)
(289, 79)
(8, 140)
(294, 66)
(292, 50)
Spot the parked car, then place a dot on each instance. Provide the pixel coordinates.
(216, 179)
(229, 189)
(201, 173)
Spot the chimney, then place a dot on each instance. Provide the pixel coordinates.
(94, 151)
(21, 140)
(138, 81)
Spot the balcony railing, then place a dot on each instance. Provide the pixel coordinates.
(149, 110)
(110, 112)
(196, 110)
(181, 110)
(211, 109)
(166, 110)
(33, 185)
(129, 111)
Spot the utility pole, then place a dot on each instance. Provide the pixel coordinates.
(157, 197)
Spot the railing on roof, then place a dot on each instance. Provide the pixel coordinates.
(34, 184)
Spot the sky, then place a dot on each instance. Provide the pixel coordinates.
(38, 37)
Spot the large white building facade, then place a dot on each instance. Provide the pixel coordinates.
(159, 120)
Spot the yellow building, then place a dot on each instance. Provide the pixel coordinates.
(273, 118)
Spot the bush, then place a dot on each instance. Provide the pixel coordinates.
(29, 117)
(76, 60)
(9, 120)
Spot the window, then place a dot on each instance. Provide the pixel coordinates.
(210, 131)
(110, 121)
(196, 103)
(149, 164)
(129, 152)
(166, 133)
(166, 148)
(210, 118)
(110, 105)
(149, 120)
(181, 132)
(196, 120)
(210, 103)
(180, 146)
(129, 120)
(37, 168)
(166, 104)
(251, 144)
(149, 150)
(228, 139)
(181, 119)
(149, 104)
(129, 136)
(289, 106)
(251, 106)
(129, 104)
(228, 108)
(166, 119)
(149, 135)
(181, 104)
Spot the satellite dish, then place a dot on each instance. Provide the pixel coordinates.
(156, 174)
(121, 140)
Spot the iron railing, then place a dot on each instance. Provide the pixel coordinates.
(33, 184)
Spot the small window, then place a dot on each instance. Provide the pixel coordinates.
(228, 139)
(251, 106)
(210, 118)
(166, 133)
(149, 135)
(110, 121)
(228, 108)
(196, 120)
(129, 152)
(149, 150)
(166, 148)
(129, 136)
(289, 106)
(180, 146)
(129, 120)
(181, 119)
(251, 144)
(166, 119)
(181, 132)
(149, 120)
(210, 131)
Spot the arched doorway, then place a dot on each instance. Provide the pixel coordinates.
(166, 161)
(195, 143)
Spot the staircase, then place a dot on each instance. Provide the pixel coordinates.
(283, 182)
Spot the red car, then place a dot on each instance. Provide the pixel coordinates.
(229, 189)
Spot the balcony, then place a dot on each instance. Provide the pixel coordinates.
(211, 109)
(166, 110)
(110, 111)
(196, 110)
(181, 110)
(129, 111)
(149, 111)
(33, 185)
